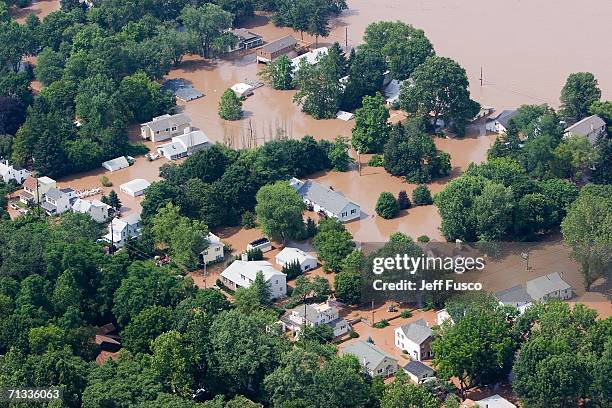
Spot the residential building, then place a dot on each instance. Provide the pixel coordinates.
(499, 123)
(96, 209)
(134, 187)
(314, 315)
(590, 127)
(121, 229)
(289, 255)
(184, 145)
(245, 40)
(58, 200)
(484, 111)
(116, 164)
(494, 401)
(516, 297)
(442, 316)
(275, 49)
(375, 361)
(549, 286)
(262, 244)
(242, 90)
(419, 372)
(415, 338)
(214, 251)
(182, 89)
(325, 200)
(242, 274)
(311, 57)
(164, 127)
(34, 189)
(9, 172)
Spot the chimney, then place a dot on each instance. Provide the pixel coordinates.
(244, 257)
(187, 130)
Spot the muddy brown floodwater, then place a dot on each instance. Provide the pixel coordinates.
(40, 8)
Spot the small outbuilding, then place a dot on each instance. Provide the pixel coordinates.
(135, 187)
(275, 49)
(419, 372)
(116, 164)
(289, 255)
(241, 89)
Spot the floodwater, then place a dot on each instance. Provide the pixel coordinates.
(40, 8)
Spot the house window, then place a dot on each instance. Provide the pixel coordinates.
(353, 211)
(157, 132)
(344, 214)
(167, 129)
(173, 128)
(217, 249)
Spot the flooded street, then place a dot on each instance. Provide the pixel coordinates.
(40, 8)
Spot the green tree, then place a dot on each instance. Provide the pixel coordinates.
(387, 206)
(49, 66)
(401, 394)
(421, 195)
(347, 285)
(230, 106)
(256, 296)
(212, 24)
(143, 98)
(403, 201)
(365, 77)
(338, 154)
(319, 89)
(292, 269)
(578, 94)
(535, 214)
(493, 209)
(279, 210)
(439, 89)
(333, 243)
(279, 73)
(603, 109)
(603, 166)
(171, 361)
(588, 232)
(177, 43)
(574, 156)
(146, 326)
(371, 129)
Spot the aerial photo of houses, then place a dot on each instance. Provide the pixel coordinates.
(306, 203)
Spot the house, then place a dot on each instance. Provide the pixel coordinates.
(345, 116)
(499, 123)
(549, 286)
(484, 111)
(96, 209)
(289, 255)
(311, 57)
(391, 92)
(116, 164)
(58, 200)
(121, 229)
(214, 251)
(314, 315)
(419, 372)
(590, 127)
(245, 40)
(182, 89)
(516, 297)
(184, 145)
(164, 127)
(415, 338)
(241, 89)
(34, 189)
(275, 49)
(262, 244)
(375, 361)
(325, 200)
(241, 274)
(494, 401)
(9, 172)
(135, 187)
(442, 316)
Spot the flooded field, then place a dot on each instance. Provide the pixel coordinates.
(40, 8)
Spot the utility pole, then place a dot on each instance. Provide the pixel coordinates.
(481, 78)
(359, 162)
(346, 38)
(111, 250)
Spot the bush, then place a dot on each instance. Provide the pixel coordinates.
(423, 238)
(406, 314)
(137, 149)
(230, 106)
(387, 206)
(254, 254)
(381, 325)
(376, 161)
(248, 220)
(421, 195)
(353, 334)
(403, 201)
(105, 181)
(292, 269)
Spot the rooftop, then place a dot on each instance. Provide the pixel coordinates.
(311, 57)
(367, 353)
(545, 285)
(136, 185)
(116, 163)
(249, 270)
(586, 125)
(289, 254)
(419, 369)
(279, 44)
(325, 197)
(515, 294)
(166, 121)
(504, 116)
(244, 34)
(417, 331)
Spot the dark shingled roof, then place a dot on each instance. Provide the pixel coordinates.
(279, 44)
(418, 369)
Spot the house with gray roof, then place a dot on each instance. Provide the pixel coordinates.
(325, 200)
(164, 127)
(548, 287)
(516, 297)
(415, 338)
(273, 50)
(375, 361)
(184, 145)
(590, 127)
(314, 315)
(58, 200)
(499, 123)
(419, 372)
(245, 40)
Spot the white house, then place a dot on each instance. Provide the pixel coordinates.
(241, 274)
(375, 361)
(590, 127)
(323, 199)
(241, 89)
(415, 338)
(164, 127)
(96, 209)
(34, 189)
(289, 255)
(9, 172)
(311, 57)
(494, 401)
(549, 286)
(499, 123)
(419, 372)
(135, 187)
(214, 251)
(121, 229)
(314, 315)
(116, 164)
(184, 145)
(516, 297)
(58, 200)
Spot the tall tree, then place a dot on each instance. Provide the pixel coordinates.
(333, 243)
(279, 211)
(230, 107)
(279, 73)
(212, 24)
(578, 94)
(371, 129)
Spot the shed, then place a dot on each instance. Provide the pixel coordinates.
(135, 187)
(275, 49)
(419, 372)
(241, 89)
(116, 164)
